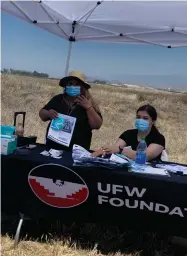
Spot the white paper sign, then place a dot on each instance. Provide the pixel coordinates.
(62, 135)
(79, 152)
(174, 168)
(118, 159)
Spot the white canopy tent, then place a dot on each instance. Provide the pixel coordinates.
(161, 23)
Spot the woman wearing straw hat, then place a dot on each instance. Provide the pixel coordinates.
(75, 101)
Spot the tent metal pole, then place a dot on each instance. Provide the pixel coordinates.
(68, 58)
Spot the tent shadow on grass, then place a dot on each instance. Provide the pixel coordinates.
(103, 238)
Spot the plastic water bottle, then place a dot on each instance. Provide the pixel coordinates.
(19, 130)
(141, 152)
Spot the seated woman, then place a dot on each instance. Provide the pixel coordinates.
(75, 101)
(146, 117)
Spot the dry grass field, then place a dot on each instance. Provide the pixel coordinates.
(118, 106)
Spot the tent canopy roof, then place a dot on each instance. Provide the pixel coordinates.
(155, 22)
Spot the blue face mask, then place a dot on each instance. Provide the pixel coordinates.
(142, 125)
(73, 91)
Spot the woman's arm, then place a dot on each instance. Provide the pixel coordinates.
(46, 115)
(106, 150)
(152, 152)
(94, 119)
(43, 114)
(47, 112)
(116, 148)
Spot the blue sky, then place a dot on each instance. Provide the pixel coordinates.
(27, 47)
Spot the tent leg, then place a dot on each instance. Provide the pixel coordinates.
(68, 58)
(16, 238)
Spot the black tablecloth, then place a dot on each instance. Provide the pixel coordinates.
(44, 187)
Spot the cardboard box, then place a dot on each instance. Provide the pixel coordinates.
(8, 145)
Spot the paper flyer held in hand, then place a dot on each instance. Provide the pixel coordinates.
(61, 129)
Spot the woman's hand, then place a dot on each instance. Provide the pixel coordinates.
(47, 115)
(97, 153)
(84, 102)
(106, 150)
(52, 114)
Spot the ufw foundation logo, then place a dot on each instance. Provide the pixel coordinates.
(58, 186)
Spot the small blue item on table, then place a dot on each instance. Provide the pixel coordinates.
(8, 139)
(7, 130)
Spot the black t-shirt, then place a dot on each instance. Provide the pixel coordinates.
(82, 134)
(154, 137)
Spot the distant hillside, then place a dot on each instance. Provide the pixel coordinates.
(11, 71)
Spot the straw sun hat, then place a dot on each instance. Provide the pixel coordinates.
(74, 75)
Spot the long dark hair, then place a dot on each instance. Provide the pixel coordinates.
(150, 110)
